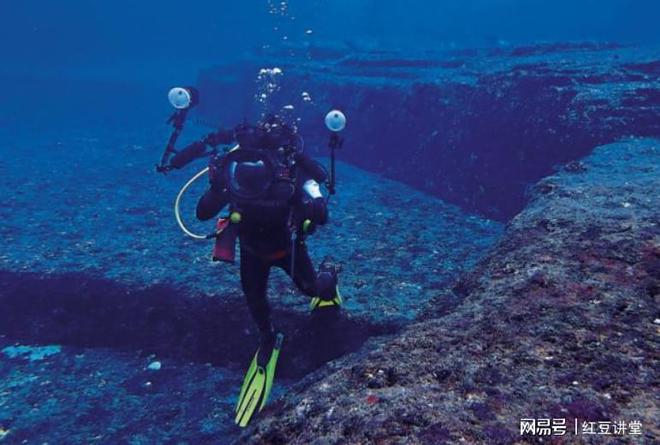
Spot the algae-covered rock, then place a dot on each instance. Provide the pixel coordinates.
(557, 322)
(474, 127)
(31, 353)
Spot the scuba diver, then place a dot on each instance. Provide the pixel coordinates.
(272, 191)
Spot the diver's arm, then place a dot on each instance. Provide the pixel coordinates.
(197, 149)
(211, 203)
(219, 137)
(217, 196)
(314, 205)
(313, 169)
(187, 155)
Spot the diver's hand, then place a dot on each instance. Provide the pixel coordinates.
(313, 214)
(319, 211)
(315, 210)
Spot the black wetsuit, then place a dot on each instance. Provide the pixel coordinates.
(267, 243)
(254, 278)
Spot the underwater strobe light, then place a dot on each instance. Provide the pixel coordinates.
(182, 98)
(335, 120)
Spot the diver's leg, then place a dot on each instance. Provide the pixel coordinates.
(254, 280)
(327, 285)
(322, 287)
(304, 275)
(258, 380)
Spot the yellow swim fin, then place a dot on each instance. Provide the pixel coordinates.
(257, 385)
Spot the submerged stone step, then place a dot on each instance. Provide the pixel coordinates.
(558, 322)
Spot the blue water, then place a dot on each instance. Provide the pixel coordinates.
(62, 58)
(97, 281)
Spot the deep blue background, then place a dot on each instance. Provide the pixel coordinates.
(165, 42)
(122, 36)
(107, 64)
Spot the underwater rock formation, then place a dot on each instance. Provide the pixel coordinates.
(133, 239)
(476, 128)
(559, 321)
(103, 275)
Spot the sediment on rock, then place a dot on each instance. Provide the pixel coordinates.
(559, 321)
(475, 128)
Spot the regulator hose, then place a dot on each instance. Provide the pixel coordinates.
(177, 205)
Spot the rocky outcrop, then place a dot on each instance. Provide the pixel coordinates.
(476, 128)
(133, 239)
(559, 321)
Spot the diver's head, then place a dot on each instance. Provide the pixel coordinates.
(278, 134)
(272, 133)
(249, 136)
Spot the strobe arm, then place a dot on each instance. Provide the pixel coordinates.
(174, 159)
(335, 143)
(177, 119)
(335, 121)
